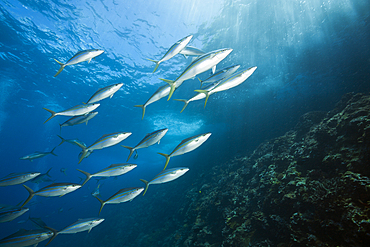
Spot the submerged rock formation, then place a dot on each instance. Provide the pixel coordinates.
(310, 187)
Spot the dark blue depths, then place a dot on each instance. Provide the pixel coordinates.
(308, 56)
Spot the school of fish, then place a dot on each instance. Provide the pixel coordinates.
(221, 80)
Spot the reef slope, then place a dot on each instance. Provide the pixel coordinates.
(310, 187)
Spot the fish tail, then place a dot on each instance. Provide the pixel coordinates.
(54, 235)
(156, 64)
(62, 65)
(206, 93)
(143, 107)
(53, 114)
(185, 101)
(101, 202)
(167, 159)
(63, 140)
(201, 82)
(146, 185)
(172, 85)
(88, 176)
(84, 152)
(47, 173)
(131, 151)
(30, 195)
(52, 151)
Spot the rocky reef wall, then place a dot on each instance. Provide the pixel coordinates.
(310, 187)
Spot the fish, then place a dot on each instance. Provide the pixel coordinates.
(173, 51)
(123, 195)
(198, 96)
(26, 238)
(81, 56)
(18, 178)
(191, 51)
(228, 83)
(104, 142)
(38, 221)
(42, 178)
(104, 93)
(198, 66)
(186, 146)
(96, 191)
(55, 189)
(148, 140)
(165, 176)
(64, 171)
(37, 155)
(79, 226)
(161, 92)
(74, 111)
(72, 141)
(78, 120)
(221, 74)
(110, 171)
(11, 214)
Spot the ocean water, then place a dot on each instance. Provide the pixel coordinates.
(308, 54)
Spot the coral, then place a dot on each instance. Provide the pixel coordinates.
(309, 187)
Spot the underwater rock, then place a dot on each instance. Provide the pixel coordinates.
(310, 187)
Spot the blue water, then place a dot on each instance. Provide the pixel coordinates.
(308, 54)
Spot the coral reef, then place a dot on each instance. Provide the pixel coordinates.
(309, 187)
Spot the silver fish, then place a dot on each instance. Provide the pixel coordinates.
(165, 176)
(37, 155)
(221, 74)
(191, 51)
(173, 51)
(149, 139)
(79, 226)
(186, 146)
(161, 92)
(26, 238)
(228, 83)
(110, 171)
(71, 141)
(104, 93)
(42, 178)
(18, 178)
(56, 189)
(11, 214)
(200, 65)
(74, 111)
(81, 56)
(123, 195)
(198, 96)
(78, 120)
(104, 142)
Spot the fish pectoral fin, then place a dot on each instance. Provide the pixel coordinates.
(89, 60)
